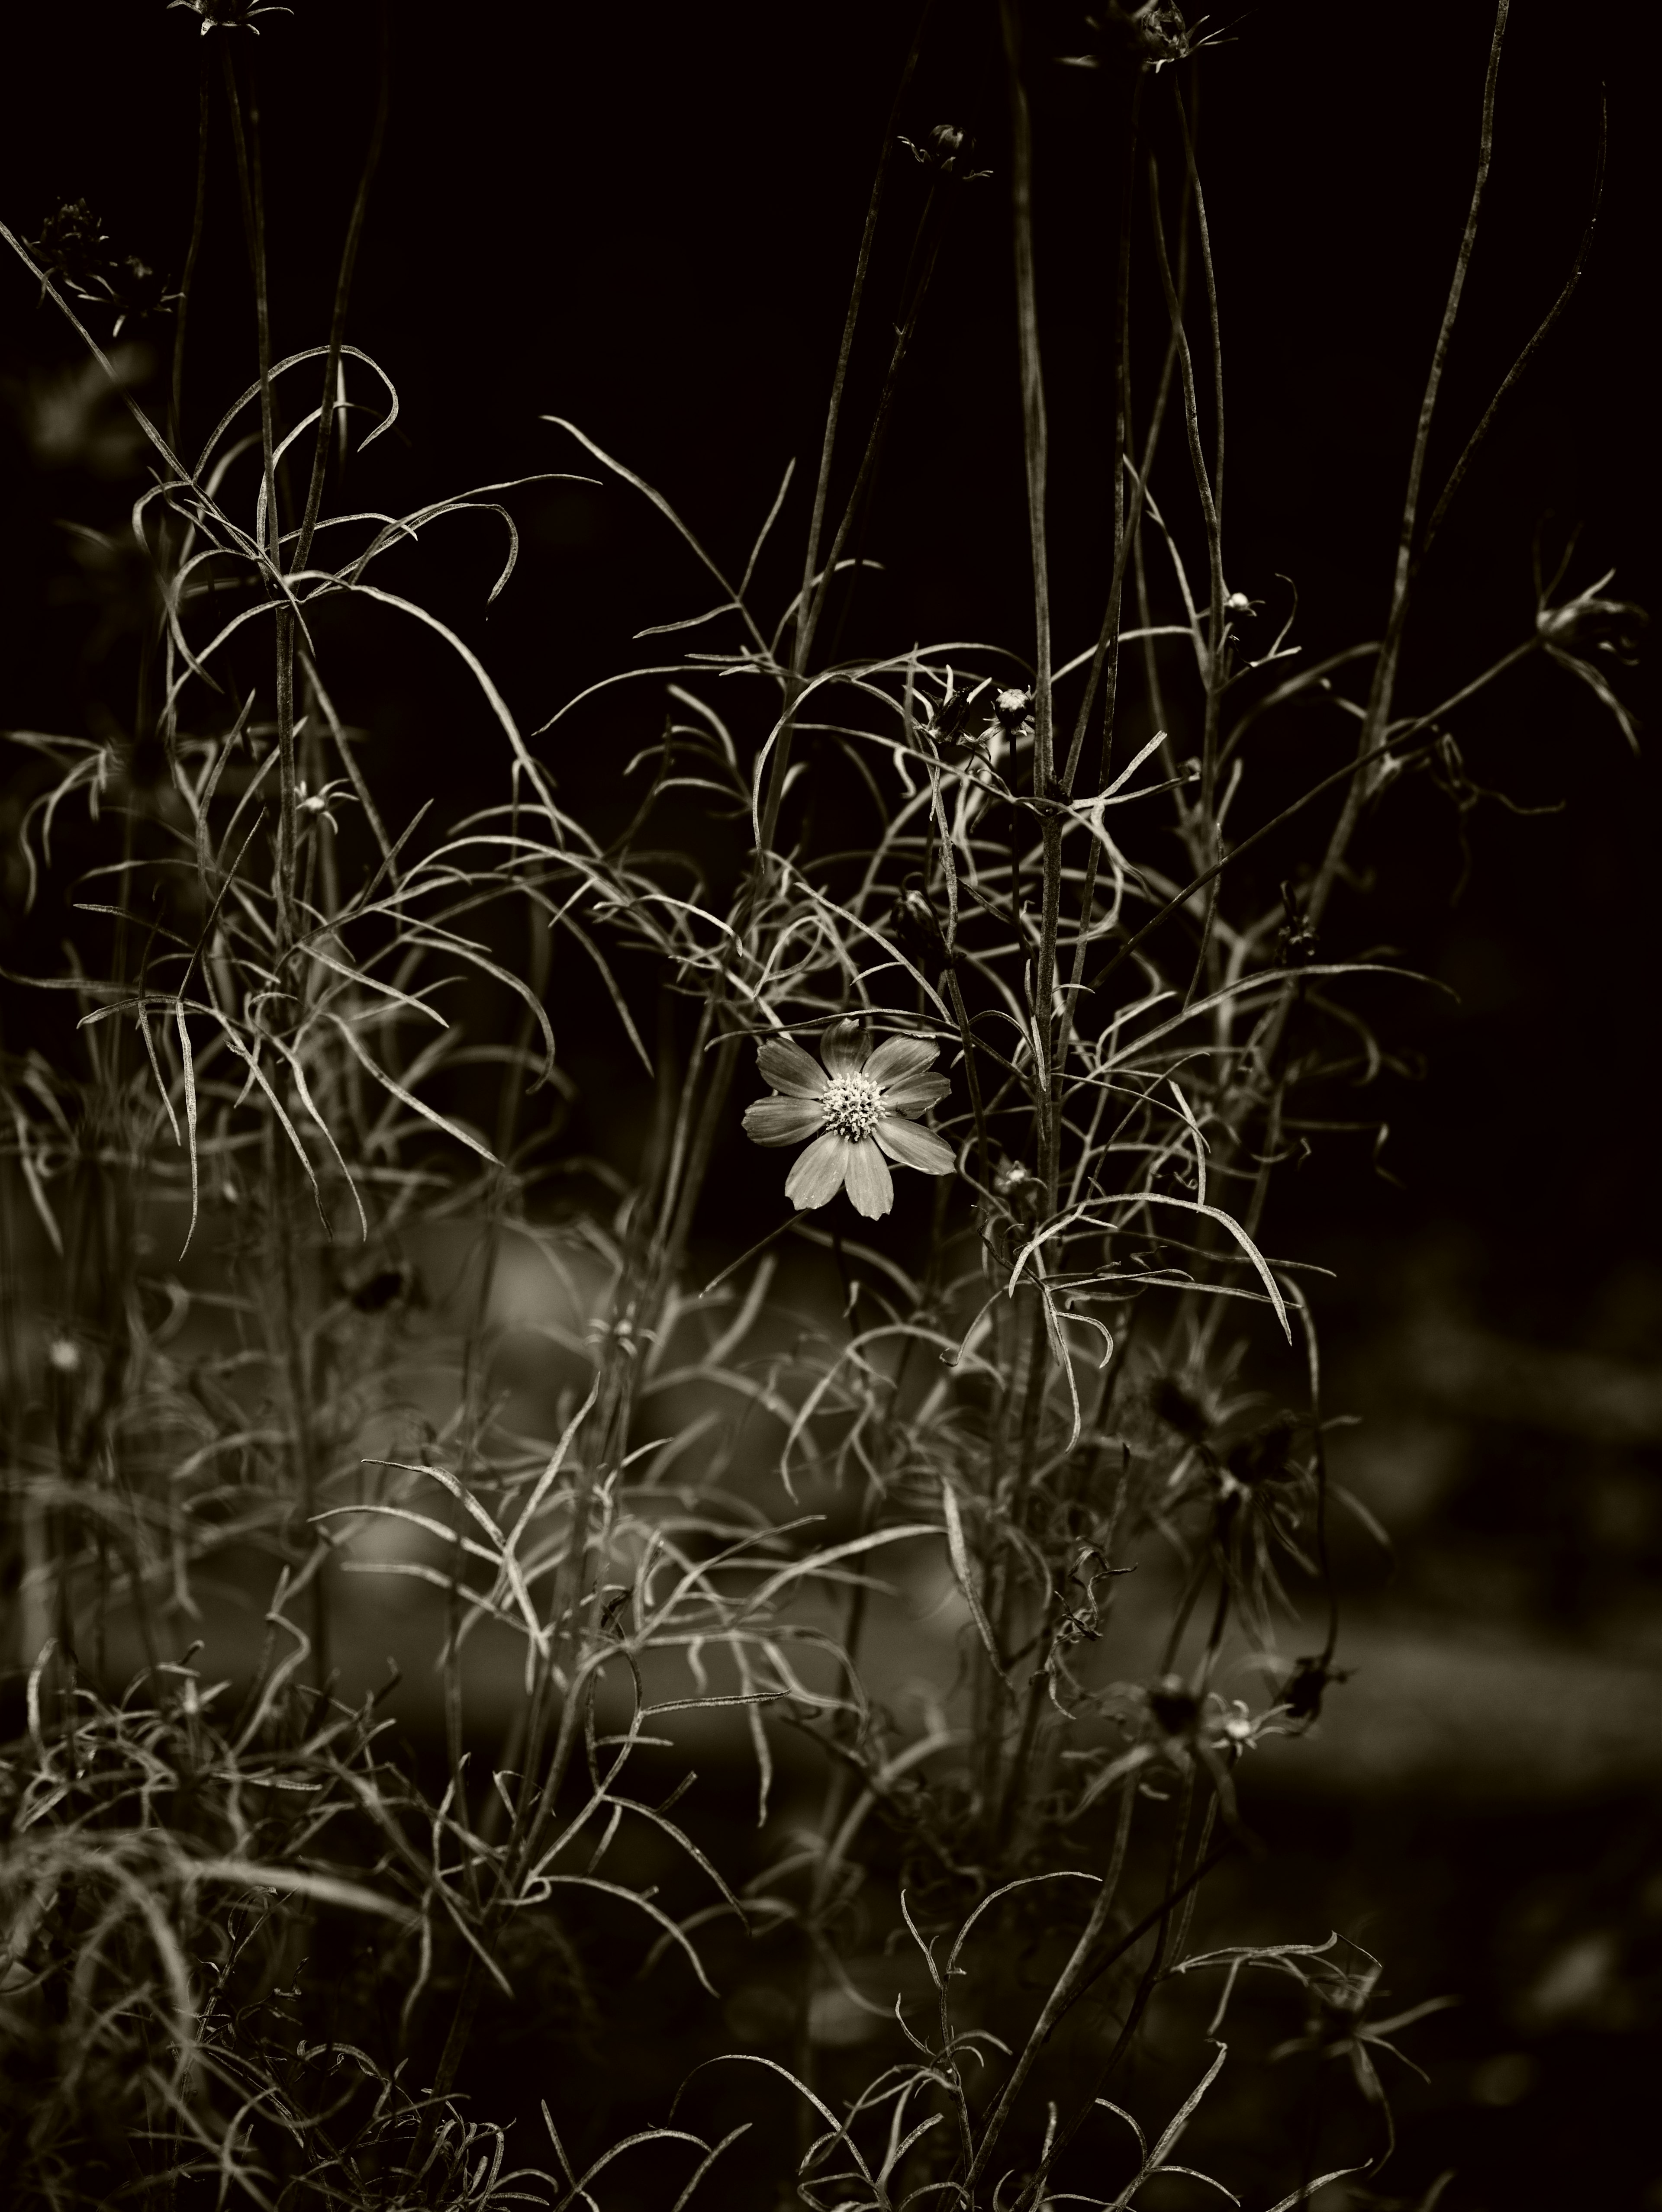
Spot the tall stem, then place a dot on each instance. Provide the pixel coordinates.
(1035, 434)
(1383, 687)
(1373, 744)
(289, 1298)
(1177, 1893)
(1217, 639)
(1035, 442)
(809, 606)
(342, 292)
(1063, 1990)
(176, 399)
(246, 139)
(1104, 662)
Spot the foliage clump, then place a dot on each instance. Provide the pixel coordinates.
(261, 1948)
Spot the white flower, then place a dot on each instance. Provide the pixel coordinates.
(855, 1108)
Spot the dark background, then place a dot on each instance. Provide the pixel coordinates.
(645, 220)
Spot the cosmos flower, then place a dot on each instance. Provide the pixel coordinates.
(855, 1108)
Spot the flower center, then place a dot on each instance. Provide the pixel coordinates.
(851, 1105)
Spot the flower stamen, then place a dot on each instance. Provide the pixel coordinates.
(852, 1106)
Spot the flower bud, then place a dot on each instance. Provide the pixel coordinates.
(1173, 1705)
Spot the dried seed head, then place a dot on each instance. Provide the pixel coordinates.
(1606, 625)
(1019, 1187)
(1174, 1406)
(914, 925)
(1311, 1677)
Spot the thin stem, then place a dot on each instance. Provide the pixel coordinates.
(343, 291)
(1457, 474)
(298, 1381)
(1186, 1918)
(1062, 1993)
(1376, 716)
(1104, 661)
(810, 604)
(1384, 668)
(246, 142)
(930, 227)
(1035, 433)
(1187, 130)
(1388, 745)
(1188, 818)
(1035, 440)
(1318, 1435)
(768, 824)
(709, 1121)
(1158, 1920)
(176, 402)
(839, 379)
(1217, 628)
(971, 1077)
(1038, 1689)
(1191, 417)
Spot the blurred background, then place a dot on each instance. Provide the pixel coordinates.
(645, 221)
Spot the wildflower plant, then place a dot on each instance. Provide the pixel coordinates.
(1030, 979)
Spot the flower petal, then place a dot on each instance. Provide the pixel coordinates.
(845, 1045)
(785, 1065)
(818, 1175)
(783, 1121)
(913, 1147)
(914, 1094)
(897, 1056)
(871, 1187)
